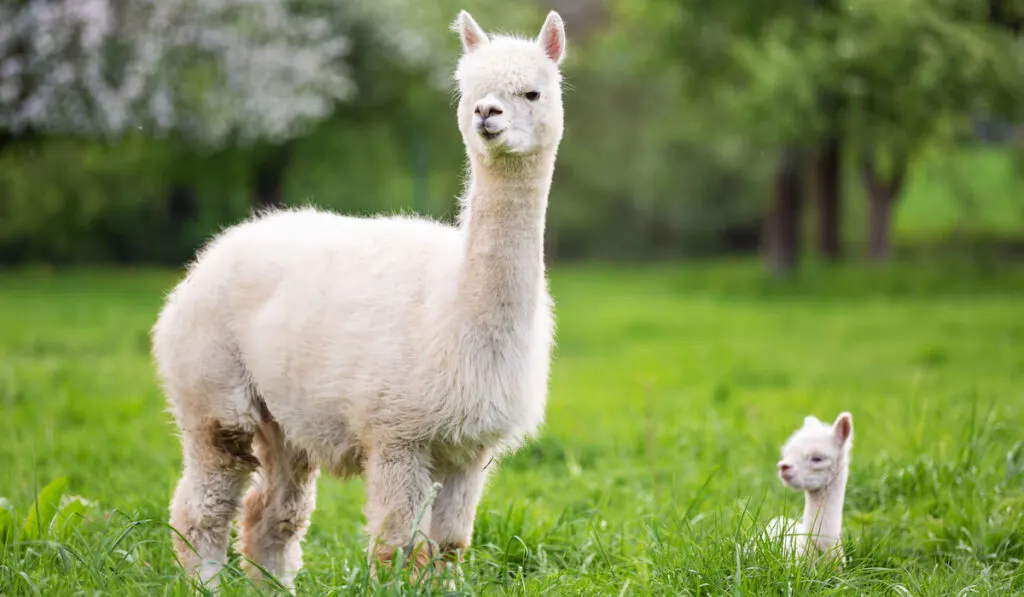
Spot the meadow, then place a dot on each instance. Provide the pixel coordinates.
(673, 388)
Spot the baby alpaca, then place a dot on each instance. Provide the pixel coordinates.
(816, 460)
(402, 349)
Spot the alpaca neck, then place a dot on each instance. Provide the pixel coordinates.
(503, 222)
(823, 511)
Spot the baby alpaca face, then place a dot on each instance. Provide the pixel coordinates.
(815, 454)
(510, 90)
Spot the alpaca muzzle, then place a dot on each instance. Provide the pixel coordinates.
(490, 127)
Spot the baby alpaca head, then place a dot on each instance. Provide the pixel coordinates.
(510, 90)
(815, 455)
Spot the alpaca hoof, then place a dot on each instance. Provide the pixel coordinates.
(388, 557)
(426, 564)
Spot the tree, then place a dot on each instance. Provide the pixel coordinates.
(882, 191)
(916, 73)
(209, 73)
(752, 69)
(782, 224)
(829, 157)
(876, 80)
(207, 69)
(828, 180)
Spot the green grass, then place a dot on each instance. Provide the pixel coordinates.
(973, 190)
(672, 390)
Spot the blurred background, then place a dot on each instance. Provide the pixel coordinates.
(130, 130)
(837, 188)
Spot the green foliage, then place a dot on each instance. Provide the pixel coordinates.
(45, 508)
(71, 201)
(904, 71)
(55, 194)
(52, 514)
(638, 176)
(911, 68)
(671, 393)
(666, 194)
(675, 114)
(8, 522)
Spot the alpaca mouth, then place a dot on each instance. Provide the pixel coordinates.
(488, 135)
(489, 130)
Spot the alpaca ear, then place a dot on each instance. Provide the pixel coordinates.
(552, 37)
(843, 427)
(470, 33)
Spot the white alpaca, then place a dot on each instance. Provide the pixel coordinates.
(403, 349)
(816, 460)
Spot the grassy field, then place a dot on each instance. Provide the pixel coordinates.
(672, 392)
(977, 190)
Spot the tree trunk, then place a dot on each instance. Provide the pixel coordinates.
(1002, 13)
(879, 227)
(181, 204)
(882, 194)
(830, 231)
(828, 159)
(782, 226)
(269, 178)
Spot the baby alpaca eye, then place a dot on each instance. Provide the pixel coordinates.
(817, 459)
(532, 95)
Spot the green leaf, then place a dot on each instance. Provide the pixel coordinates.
(69, 517)
(44, 509)
(8, 528)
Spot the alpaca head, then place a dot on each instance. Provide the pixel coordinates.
(510, 90)
(815, 455)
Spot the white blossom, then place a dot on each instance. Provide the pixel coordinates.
(207, 68)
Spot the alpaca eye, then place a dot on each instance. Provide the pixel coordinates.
(817, 459)
(532, 95)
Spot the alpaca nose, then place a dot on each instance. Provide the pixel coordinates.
(784, 468)
(485, 109)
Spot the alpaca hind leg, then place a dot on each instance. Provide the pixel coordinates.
(398, 485)
(451, 525)
(277, 508)
(218, 466)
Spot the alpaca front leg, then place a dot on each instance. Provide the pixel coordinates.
(455, 508)
(398, 486)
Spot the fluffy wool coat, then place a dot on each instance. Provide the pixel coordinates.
(402, 349)
(816, 460)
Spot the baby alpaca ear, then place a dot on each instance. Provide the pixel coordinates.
(470, 33)
(552, 37)
(843, 427)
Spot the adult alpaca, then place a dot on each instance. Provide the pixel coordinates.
(407, 350)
